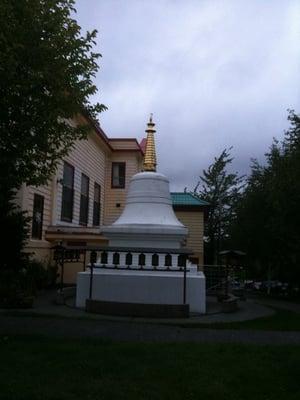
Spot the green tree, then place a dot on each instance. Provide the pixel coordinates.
(47, 69)
(251, 230)
(268, 217)
(221, 190)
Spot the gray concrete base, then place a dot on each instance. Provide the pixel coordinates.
(250, 309)
(143, 287)
(137, 309)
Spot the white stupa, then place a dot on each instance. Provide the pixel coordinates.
(148, 219)
(147, 228)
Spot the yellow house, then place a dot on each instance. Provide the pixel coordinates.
(191, 211)
(89, 190)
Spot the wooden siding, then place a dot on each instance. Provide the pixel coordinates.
(118, 196)
(40, 248)
(92, 157)
(87, 158)
(194, 221)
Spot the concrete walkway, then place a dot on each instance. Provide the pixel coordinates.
(47, 318)
(137, 332)
(45, 305)
(284, 305)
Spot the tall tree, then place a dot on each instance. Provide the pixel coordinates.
(268, 216)
(221, 190)
(47, 69)
(46, 72)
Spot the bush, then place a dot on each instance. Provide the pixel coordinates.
(37, 276)
(16, 287)
(15, 224)
(19, 276)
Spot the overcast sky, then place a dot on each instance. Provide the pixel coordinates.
(214, 74)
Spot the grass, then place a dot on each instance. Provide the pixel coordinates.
(37, 368)
(282, 320)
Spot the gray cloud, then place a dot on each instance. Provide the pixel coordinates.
(215, 74)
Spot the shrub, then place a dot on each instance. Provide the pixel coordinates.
(37, 276)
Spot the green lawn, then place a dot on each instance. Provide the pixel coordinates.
(46, 368)
(282, 320)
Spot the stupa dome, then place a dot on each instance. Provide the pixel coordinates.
(148, 202)
(148, 219)
(145, 261)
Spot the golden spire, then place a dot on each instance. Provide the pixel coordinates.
(150, 154)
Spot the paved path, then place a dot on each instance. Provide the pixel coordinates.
(45, 305)
(285, 305)
(126, 331)
(63, 321)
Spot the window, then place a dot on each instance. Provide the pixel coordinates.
(67, 193)
(84, 200)
(97, 206)
(37, 217)
(118, 175)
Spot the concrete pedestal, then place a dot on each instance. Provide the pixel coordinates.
(147, 287)
(149, 232)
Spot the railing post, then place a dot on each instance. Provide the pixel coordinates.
(161, 261)
(227, 280)
(84, 259)
(93, 259)
(175, 260)
(62, 269)
(184, 281)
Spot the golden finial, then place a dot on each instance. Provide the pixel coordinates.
(150, 154)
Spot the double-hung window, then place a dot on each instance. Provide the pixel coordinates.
(118, 175)
(67, 193)
(97, 204)
(84, 200)
(37, 217)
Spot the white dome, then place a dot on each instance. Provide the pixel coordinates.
(148, 218)
(148, 202)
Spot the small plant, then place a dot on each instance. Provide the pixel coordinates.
(38, 275)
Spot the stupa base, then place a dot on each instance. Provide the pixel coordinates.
(143, 287)
(138, 309)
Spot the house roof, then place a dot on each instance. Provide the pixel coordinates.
(95, 124)
(187, 199)
(143, 144)
(125, 144)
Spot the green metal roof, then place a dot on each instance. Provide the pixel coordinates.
(186, 199)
